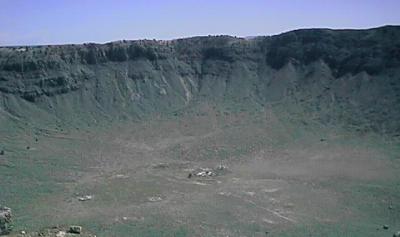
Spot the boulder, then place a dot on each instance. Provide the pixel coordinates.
(397, 234)
(75, 229)
(61, 233)
(5, 220)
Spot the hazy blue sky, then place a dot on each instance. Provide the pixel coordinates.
(77, 21)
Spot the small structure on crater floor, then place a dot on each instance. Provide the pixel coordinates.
(204, 172)
(209, 172)
(154, 199)
(85, 198)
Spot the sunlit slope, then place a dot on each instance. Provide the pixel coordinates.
(336, 77)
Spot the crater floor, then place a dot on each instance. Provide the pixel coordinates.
(270, 177)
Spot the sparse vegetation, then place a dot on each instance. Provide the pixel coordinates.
(289, 135)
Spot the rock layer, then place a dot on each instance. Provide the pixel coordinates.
(337, 76)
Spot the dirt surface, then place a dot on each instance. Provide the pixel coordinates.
(290, 135)
(273, 178)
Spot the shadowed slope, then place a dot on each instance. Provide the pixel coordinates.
(345, 77)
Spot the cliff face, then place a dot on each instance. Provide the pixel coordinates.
(335, 75)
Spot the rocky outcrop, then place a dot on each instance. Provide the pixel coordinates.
(335, 76)
(344, 51)
(5, 220)
(76, 231)
(49, 70)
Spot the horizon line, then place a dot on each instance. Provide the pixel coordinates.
(196, 36)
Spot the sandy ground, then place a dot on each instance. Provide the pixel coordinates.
(275, 178)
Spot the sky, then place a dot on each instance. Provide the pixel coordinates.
(33, 22)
